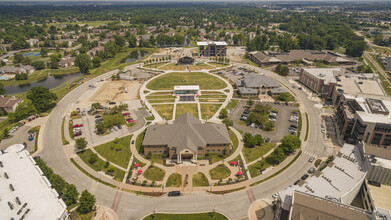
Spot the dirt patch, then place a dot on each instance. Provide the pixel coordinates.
(115, 91)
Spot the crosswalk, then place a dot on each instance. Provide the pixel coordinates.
(311, 154)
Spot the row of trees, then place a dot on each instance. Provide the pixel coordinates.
(220, 59)
(68, 192)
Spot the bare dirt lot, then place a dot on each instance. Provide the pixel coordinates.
(115, 91)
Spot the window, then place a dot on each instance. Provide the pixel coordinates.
(218, 149)
(154, 151)
(213, 150)
(207, 150)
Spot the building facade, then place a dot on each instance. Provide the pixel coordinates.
(321, 80)
(186, 139)
(212, 48)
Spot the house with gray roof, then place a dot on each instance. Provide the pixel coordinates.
(186, 139)
(252, 85)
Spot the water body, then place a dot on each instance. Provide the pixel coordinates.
(50, 82)
(135, 55)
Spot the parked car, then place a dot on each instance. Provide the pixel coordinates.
(130, 120)
(77, 125)
(296, 182)
(174, 193)
(267, 140)
(311, 159)
(275, 195)
(115, 128)
(112, 103)
(132, 141)
(126, 113)
(248, 123)
(98, 116)
(111, 129)
(304, 177)
(75, 134)
(323, 131)
(119, 126)
(274, 111)
(311, 170)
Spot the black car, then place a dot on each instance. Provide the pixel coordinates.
(248, 124)
(296, 182)
(311, 170)
(98, 116)
(274, 111)
(304, 177)
(267, 140)
(112, 103)
(174, 193)
(293, 126)
(119, 126)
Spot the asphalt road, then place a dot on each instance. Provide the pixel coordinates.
(234, 205)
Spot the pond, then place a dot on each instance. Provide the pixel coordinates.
(135, 55)
(50, 82)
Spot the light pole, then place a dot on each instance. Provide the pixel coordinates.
(210, 187)
(162, 188)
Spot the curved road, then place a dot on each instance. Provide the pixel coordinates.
(130, 206)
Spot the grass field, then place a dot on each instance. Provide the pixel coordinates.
(99, 165)
(119, 157)
(162, 101)
(208, 110)
(154, 174)
(197, 216)
(200, 67)
(113, 119)
(234, 140)
(211, 100)
(251, 154)
(382, 50)
(174, 180)
(233, 103)
(165, 110)
(212, 96)
(256, 167)
(200, 179)
(168, 81)
(155, 65)
(160, 97)
(173, 66)
(218, 64)
(219, 172)
(183, 108)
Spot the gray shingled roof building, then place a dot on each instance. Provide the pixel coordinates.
(251, 85)
(186, 135)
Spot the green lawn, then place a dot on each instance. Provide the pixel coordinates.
(200, 179)
(139, 141)
(168, 81)
(111, 120)
(165, 110)
(172, 100)
(234, 140)
(99, 165)
(155, 65)
(154, 174)
(251, 154)
(212, 96)
(256, 167)
(160, 97)
(233, 103)
(119, 157)
(174, 180)
(285, 97)
(183, 108)
(198, 216)
(219, 172)
(208, 110)
(173, 66)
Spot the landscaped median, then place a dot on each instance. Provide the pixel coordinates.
(200, 179)
(174, 180)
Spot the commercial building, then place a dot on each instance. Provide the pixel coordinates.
(294, 56)
(187, 90)
(253, 85)
(321, 80)
(378, 161)
(186, 139)
(362, 118)
(25, 193)
(212, 48)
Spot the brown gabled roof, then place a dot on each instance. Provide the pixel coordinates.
(186, 132)
(8, 102)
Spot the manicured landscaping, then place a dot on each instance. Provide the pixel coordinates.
(208, 110)
(139, 141)
(168, 81)
(165, 110)
(198, 216)
(155, 65)
(200, 179)
(183, 108)
(256, 167)
(154, 174)
(100, 165)
(160, 97)
(174, 180)
(111, 120)
(172, 66)
(251, 154)
(212, 96)
(200, 66)
(118, 153)
(234, 140)
(232, 104)
(219, 172)
(172, 100)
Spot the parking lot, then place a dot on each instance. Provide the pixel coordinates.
(282, 123)
(89, 131)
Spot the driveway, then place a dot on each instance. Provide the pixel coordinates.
(282, 123)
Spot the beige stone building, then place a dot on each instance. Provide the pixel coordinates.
(186, 139)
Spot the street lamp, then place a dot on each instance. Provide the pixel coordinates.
(162, 188)
(210, 189)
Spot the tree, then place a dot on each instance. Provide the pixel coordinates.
(249, 140)
(6, 133)
(250, 102)
(269, 126)
(223, 113)
(120, 41)
(228, 122)
(2, 89)
(93, 158)
(289, 143)
(44, 52)
(42, 98)
(81, 143)
(70, 195)
(259, 139)
(86, 202)
(276, 157)
(18, 58)
(96, 61)
(22, 111)
(355, 48)
(100, 127)
(58, 183)
(282, 70)
(38, 65)
(132, 41)
(83, 62)
(96, 106)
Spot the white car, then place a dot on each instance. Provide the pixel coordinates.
(276, 195)
(323, 131)
(115, 128)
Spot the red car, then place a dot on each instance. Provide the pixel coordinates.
(77, 134)
(125, 114)
(77, 125)
(130, 120)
